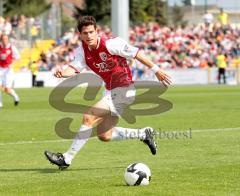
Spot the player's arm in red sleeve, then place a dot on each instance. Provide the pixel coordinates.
(160, 74)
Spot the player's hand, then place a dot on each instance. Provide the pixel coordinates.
(164, 78)
(58, 73)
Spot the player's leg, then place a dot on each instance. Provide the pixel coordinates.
(104, 114)
(105, 127)
(8, 83)
(120, 99)
(93, 116)
(1, 89)
(219, 76)
(110, 111)
(224, 75)
(100, 115)
(107, 131)
(13, 94)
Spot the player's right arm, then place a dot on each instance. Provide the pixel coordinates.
(74, 67)
(68, 72)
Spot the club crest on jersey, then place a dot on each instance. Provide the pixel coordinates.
(103, 56)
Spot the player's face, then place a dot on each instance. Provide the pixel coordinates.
(89, 36)
(5, 40)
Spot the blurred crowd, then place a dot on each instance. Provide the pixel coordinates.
(188, 47)
(196, 46)
(63, 50)
(18, 26)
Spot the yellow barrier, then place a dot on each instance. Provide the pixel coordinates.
(32, 54)
(238, 74)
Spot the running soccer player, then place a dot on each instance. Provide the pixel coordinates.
(107, 58)
(8, 53)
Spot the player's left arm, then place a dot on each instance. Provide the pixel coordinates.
(118, 46)
(15, 53)
(160, 74)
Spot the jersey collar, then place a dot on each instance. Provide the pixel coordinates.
(98, 44)
(7, 46)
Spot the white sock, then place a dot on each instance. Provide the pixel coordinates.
(1, 104)
(79, 141)
(120, 133)
(14, 95)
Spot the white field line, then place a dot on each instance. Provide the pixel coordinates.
(33, 142)
(68, 140)
(219, 129)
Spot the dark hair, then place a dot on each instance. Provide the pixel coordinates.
(86, 21)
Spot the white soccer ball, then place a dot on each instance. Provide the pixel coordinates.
(137, 174)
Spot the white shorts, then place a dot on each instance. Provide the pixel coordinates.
(119, 98)
(6, 77)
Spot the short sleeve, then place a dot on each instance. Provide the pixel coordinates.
(15, 52)
(118, 46)
(79, 62)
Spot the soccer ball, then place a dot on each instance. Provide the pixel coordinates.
(137, 174)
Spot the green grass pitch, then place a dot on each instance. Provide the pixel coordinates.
(208, 163)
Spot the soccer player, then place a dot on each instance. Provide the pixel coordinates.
(107, 58)
(8, 53)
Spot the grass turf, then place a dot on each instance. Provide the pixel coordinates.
(205, 164)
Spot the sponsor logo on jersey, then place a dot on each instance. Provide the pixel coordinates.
(102, 67)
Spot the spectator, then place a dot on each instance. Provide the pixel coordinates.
(208, 18)
(7, 28)
(14, 21)
(2, 20)
(223, 17)
(34, 67)
(221, 64)
(173, 48)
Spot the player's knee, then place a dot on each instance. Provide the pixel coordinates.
(7, 90)
(104, 137)
(88, 119)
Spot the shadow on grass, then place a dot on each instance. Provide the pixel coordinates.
(121, 185)
(56, 170)
(39, 170)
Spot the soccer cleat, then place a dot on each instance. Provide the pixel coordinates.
(16, 103)
(149, 140)
(57, 159)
